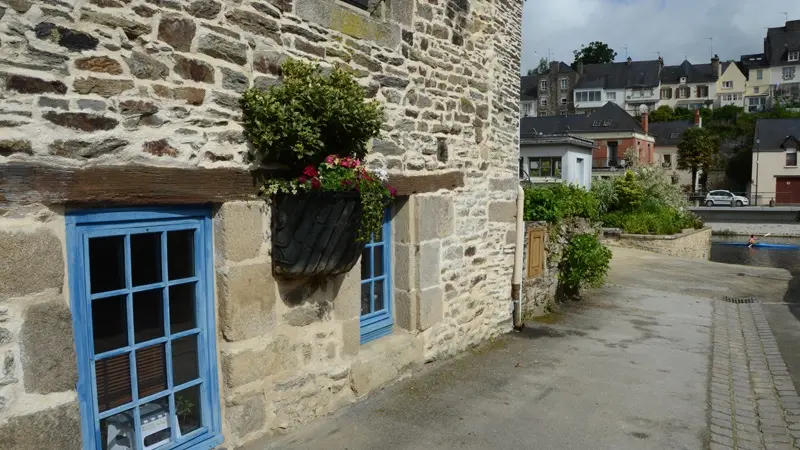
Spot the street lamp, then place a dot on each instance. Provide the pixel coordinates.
(758, 147)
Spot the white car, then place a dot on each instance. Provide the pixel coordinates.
(715, 198)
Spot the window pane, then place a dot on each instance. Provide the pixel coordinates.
(366, 263)
(557, 167)
(109, 323)
(148, 315)
(791, 159)
(379, 294)
(145, 258)
(188, 409)
(107, 263)
(534, 167)
(151, 370)
(184, 360)
(155, 423)
(113, 381)
(116, 432)
(181, 307)
(378, 260)
(546, 169)
(365, 294)
(180, 254)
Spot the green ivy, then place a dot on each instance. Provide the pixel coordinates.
(585, 263)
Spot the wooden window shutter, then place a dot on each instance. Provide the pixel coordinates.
(535, 252)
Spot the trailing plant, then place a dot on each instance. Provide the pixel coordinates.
(559, 201)
(343, 174)
(309, 116)
(584, 263)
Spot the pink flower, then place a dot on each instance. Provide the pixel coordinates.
(315, 183)
(392, 191)
(302, 180)
(330, 159)
(310, 171)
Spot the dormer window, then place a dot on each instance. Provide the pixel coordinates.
(791, 157)
(794, 56)
(606, 123)
(673, 136)
(596, 123)
(683, 80)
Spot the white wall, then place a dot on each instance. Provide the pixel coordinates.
(569, 155)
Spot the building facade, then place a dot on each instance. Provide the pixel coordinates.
(731, 86)
(550, 93)
(632, 85)
(138, 305)
(775, 173)
(561, 158)
(782, 49)
(689, 85)
(667, 136)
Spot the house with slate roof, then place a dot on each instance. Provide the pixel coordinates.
(611, 128)
(689, 85)
(731, 85)
(775, 173)
(630, 85)
(782, 49)
(667, 136)
(548, 94)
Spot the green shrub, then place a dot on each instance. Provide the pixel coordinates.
(585, 263)
(557, 202)
(309, 116)
(606, 194)
(652, 218)
(629, 193)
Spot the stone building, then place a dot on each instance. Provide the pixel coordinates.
(137, 302)
(549, 93)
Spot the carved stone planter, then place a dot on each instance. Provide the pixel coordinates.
(314, 233)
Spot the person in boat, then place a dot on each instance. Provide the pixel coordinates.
(752, 240)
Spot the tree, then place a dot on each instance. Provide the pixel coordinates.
(662, 114)
(541, 68)
(594, 53)
(697, 150)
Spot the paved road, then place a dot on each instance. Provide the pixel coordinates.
(628, 368)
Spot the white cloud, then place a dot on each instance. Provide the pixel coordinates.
(676, 28)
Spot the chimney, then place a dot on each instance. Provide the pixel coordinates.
(793, 25)
(645, 122)
(629, 60)
(660, 62)
(698, 119)
(554, 67)
(579, 68)
(715, 67)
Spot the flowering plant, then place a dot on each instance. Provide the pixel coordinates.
(344, 174)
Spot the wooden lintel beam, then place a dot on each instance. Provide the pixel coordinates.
(26, 183)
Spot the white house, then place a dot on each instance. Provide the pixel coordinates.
(629, 84)
(564, 158)
(782, 48)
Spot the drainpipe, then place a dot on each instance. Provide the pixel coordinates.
(516, 281)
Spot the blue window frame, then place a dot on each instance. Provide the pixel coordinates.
(142, 299)
(376, 285)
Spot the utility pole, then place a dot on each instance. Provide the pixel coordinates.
(786, 15)
(758, 153)
(626, 52)
(711, 45)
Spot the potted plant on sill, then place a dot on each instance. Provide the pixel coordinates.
(317, 127)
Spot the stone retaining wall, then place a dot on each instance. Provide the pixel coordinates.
(690, 243)
(115, 82)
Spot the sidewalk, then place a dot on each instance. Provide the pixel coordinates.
(628, 368)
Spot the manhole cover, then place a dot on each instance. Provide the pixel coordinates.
(739, 299)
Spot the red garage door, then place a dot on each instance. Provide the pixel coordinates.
(787, 190)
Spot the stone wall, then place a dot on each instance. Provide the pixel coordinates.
(115, 82)
(540, 294)
(690, 243)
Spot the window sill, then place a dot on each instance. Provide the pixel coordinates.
(790, 167)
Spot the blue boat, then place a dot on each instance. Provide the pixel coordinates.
(762, 245)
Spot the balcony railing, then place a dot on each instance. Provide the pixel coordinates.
(606, 163)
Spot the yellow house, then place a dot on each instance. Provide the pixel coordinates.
(757, 87)
(775, 172)
(731, 85)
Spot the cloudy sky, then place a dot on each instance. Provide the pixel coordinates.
(677, 28)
